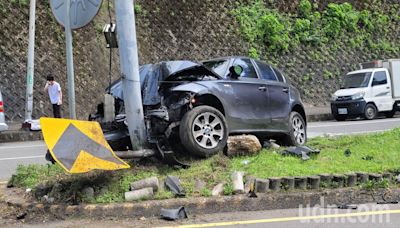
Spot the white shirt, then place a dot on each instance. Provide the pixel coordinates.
(54, 92)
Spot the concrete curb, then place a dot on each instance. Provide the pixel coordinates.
(20, 136)
(268, 201)
(319, 117)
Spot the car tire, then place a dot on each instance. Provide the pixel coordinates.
(339, 118)
(202, 137)
(298, 130)
(370, 112)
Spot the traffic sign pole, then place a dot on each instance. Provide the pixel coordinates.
(128, 53)
(70, 61)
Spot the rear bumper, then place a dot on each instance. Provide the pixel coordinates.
(354, 108)
(3, 127)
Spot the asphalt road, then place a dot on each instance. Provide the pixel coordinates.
(351, 127)
(13, 154)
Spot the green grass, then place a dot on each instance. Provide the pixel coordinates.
(383, 148)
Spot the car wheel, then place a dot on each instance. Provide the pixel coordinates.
(339, 118)
(203, 131)
(370, 112)
(298, 131)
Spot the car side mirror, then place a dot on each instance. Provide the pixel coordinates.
(235, 71)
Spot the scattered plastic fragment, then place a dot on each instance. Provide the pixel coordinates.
(173, 214)
(174, 185)
(302, 151)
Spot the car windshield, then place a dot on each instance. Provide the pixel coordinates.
(218, 66)
(358, 80)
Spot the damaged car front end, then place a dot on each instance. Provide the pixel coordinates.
(190, 108)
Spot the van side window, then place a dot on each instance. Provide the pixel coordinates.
(379, 78)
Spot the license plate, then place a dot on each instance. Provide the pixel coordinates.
(342, 111)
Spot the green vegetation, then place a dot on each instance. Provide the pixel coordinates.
(374, 153)
(280, 32)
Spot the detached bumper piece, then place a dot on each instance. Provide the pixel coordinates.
(348, 108)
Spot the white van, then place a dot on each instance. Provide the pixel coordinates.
(3, 125)
(373, 90)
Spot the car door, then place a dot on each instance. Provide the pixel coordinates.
(381, 91)
(278, 95)
(247, 99)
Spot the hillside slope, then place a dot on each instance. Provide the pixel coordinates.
(181, 29)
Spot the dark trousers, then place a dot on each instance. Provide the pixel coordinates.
(57, 111)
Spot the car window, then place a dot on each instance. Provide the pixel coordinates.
(248, 68)
(279, 75)
(266, 71)
(218, 66)
(380, 78)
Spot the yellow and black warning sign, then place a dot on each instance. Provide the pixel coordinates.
(79, 146)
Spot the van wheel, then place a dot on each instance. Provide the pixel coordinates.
(370, 112)
(298, 130)
(203, 131)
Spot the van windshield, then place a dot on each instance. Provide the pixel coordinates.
(359, 80)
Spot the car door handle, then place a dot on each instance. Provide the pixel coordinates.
(262, 88)
(285, 90)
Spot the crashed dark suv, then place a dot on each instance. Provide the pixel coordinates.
(198, 105)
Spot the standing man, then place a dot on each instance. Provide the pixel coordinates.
(55, 94)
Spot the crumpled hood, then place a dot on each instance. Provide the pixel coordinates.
(152, 74)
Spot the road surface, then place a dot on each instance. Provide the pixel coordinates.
(13, 154)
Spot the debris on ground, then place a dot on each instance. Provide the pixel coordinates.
(47, 200)
(174, 184)
(199, 185)
(151, 182)
(173, 214)
(145, 193)
(243, 145)
(218, 190)
(346, 207)
(237, 180)
(368, 158)
(274, 145)
(387, 202)
(22, 215)
(347, 153)
(303, 151)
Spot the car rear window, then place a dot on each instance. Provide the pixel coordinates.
(279, 75)
(266, 71)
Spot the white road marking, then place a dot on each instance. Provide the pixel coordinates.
(337, 124)
(19, 147)
(21, 158)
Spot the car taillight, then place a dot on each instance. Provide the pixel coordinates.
(1, 107)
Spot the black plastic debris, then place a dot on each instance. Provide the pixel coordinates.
(346, 207)
(303, 151)
(368, 158)
(22, 215)
(173, 214)
(347, 153)
(174, 184)
(387, 202)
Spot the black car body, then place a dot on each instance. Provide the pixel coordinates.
(198, 105)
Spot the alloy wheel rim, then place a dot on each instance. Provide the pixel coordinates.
(299, 130)
(208, 130)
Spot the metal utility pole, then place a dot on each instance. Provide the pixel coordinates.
(31, 63)
(128, 52)
(70, 62)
